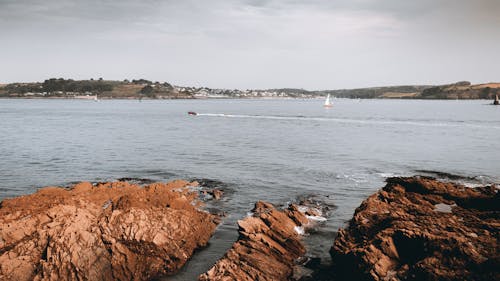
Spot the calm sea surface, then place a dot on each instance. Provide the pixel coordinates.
(274, 150)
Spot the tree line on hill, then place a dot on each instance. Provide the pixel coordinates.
(61, 86)
(80, 86)
(53, 85)
(146, 88)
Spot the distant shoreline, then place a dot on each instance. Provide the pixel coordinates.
(144, 89)
(233, 98)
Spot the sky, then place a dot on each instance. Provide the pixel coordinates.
(248, 44)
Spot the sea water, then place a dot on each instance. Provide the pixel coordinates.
(274, 150)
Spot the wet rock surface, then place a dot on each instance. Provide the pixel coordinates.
(107, 231)
(447, 176)
(267, 248)
(418, 228)
(211, 189)
(138, 181)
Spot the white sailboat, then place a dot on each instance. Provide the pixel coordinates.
(328, 103)
(95, 98)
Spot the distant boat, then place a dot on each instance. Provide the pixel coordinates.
(496, 101)
(192, 113)
(95, 98)
(328, 103)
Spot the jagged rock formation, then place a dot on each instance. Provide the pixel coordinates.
(111, 231)
(267, 247)
(418, 228)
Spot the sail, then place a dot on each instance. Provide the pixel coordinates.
(327, 101)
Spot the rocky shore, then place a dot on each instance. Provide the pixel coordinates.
(414, 228)
(107, 231)
(418, 228)
(268, 246)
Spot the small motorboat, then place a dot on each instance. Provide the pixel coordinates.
(192, 113)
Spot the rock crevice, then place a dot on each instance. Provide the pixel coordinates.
(267, 248)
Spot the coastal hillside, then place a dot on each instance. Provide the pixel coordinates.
(412, 91)
(142, 88)
(69, 88)
(459, 90)
(462, 90)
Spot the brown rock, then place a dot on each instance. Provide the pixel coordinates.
(419, 228)
(111, 231)
(262, 207)
(216, 193)
(267, 248)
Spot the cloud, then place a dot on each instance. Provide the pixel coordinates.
(312, 44)
(191, 16)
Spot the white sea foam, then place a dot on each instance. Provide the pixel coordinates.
(316, 218)
(303, 209)
(319, 218)
(299, 230)
(386, 175)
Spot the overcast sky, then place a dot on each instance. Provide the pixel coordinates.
(311, 44)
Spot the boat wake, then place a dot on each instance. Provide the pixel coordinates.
(353, 121)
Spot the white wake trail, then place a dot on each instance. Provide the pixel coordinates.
(348, 120)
